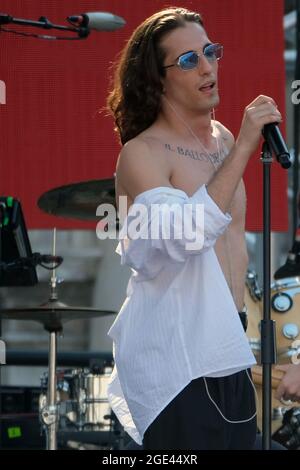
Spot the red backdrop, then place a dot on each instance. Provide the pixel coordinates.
(51, 133)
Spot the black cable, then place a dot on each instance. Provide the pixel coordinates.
(35, 260)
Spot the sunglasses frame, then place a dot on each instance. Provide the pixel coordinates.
(177, 60)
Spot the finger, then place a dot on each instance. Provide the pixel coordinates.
(263, 99)
(283, 368)
(273, 116)
(265, 109)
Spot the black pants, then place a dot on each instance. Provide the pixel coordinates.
(191, 420)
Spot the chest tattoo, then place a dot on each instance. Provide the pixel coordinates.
(196, 155)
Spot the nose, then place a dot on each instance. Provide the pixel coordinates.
(205, 66)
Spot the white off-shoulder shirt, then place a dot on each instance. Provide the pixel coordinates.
(178, 322)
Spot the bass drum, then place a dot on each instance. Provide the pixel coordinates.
(285, 310)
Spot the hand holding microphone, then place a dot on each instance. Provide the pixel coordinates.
(277, 144)
(261, 116)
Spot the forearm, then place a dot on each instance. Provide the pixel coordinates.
(261, 111)
(223, 185)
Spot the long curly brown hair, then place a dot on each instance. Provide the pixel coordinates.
(135, 99)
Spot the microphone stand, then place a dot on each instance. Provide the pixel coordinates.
(44, 23)
(275, 144)
(268, 339)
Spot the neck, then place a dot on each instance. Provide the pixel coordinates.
(180, 120)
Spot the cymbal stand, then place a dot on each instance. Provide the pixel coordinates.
(50, 411)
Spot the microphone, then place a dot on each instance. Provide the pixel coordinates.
(277, 144)
(98, 20)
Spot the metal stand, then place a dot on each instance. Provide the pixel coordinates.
(50, 412)
(268, 340)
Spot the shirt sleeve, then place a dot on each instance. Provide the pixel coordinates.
(165, 223)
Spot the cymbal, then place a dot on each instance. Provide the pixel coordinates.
(78, 200)
(52, 314)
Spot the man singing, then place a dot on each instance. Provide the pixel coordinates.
(182, 359)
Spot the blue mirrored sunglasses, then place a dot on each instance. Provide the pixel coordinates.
(190, 60)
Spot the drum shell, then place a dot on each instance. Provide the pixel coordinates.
(287, 320)
(82, 400)
(254, 306)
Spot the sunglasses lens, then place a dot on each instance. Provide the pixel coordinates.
(213, 52)
(188, 61)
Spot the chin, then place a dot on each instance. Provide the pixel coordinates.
(215, 100)
(209, 103)
(209, 106)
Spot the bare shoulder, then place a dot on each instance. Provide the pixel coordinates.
(226, 134)
(138, 169)
(133, 149)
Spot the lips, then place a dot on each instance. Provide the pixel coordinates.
(207, 86)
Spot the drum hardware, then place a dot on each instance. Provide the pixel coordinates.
(289, 433)
(253, 296)
(285, 310)
(282, 303)
(291, 268)
(252, 283)
(289, 293)
(52, 315)
(288, 282)
(285, 296)
(280, 411)
(286, 355)
(19, 357)
(79, 200)
(290, 330)
(82, 440)
(82, 399)
(75, 445)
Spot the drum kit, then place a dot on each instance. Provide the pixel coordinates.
(73, 404)
(285, 311)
